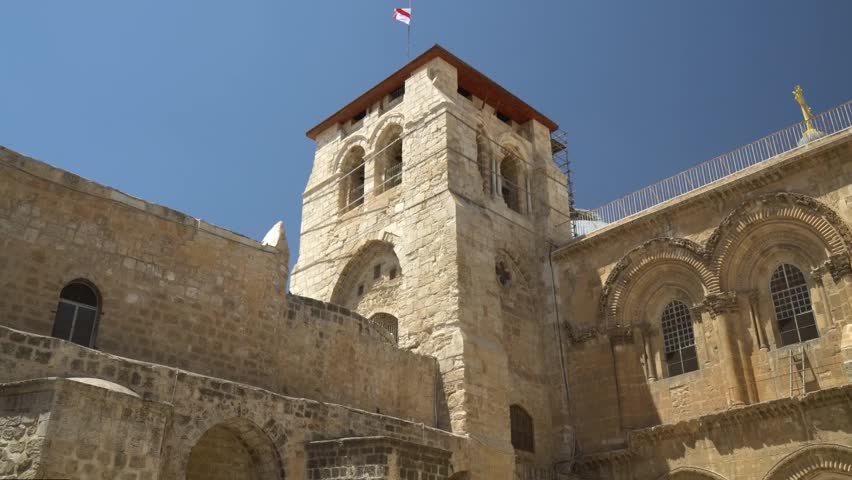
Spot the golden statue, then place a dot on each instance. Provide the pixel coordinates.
(806, 110)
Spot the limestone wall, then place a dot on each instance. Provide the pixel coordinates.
(180, 292)
(715, 249)
(272, 427)
(447, 225)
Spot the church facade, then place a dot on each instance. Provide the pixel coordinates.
(447, 317)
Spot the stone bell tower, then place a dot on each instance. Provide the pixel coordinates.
(431, 208)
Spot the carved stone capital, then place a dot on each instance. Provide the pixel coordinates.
(718, 304)
(838, 266)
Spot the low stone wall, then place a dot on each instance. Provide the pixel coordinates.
(197, 404)
(376, 458)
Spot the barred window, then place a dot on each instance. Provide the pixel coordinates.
(522, 429)
(77, 314)
(792, 301)
(678, 339)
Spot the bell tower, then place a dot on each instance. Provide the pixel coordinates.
(431, 208)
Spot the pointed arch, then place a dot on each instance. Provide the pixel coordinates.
(385, 121)
(797, 218)
(358, 264)
(684, 256)
(812, 460)
(251, 453)
(351, 142)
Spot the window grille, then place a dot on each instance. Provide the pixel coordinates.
(522, 429)
(76, 314)
(793, 310)
(679, 339)
(389, 323)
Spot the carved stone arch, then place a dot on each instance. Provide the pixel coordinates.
(812, 460)
(793, 212)
(690, 473)
(387, 121)
(520, 275)
(264, 459)
(351, 142)
(686, 254)
(510, 140)
(358, 261)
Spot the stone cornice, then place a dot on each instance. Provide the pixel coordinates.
(700, 426)
(746, 180)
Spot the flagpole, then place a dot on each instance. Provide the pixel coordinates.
(408, 43)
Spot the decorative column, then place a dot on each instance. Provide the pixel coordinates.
(648, 364)
(759, 334)
(724, 310)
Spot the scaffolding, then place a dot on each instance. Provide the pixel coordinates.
(559, 149)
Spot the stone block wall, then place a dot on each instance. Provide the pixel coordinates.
(173, 289)
(23, 426)
(180, 292)
(376, 458)
(715, 248)
(204, 414)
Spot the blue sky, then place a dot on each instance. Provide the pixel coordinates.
(202, 105)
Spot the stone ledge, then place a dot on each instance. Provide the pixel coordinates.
(745, 178)
(64, 178)
(706, 423)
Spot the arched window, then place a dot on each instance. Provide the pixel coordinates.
(510, 183)
(678, 339)
(792, 301)
(77, 314)
(389, 160)
(388, 322)
(352, 182)
(523, 437)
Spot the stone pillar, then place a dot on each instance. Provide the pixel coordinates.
(725, 311)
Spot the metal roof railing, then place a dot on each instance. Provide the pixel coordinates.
(831, 121)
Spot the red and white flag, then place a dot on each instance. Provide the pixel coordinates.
(403, 15)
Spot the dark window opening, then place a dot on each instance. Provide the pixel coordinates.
(359, 116)
(389, 323)
(377, 271)
(398, 93)
(792, 301)
(360, 289)
(678, 339)
(77, 314)
(392, 273)
(464, 93)
(510, 183)
(522, 429)
(504, 276)
(503, 118)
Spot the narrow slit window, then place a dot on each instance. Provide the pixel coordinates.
(464, 93)
(523, 434)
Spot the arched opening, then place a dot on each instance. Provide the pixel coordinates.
(678, 339)
(389, 323)
(234, 450)
(389, 159)
(523, 434)
(352, 180)
(77, 313)
(370, 280)
(794, 314)
(511, 183)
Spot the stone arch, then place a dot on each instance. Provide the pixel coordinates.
(812, 460)
(359, 265)
(686, 256)
(690, 473)
(350, 143)
(512, 177)
(387, 156)
(800, 217)
(235, 449)
(389, 323)
(382, 125)
(352, 183)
